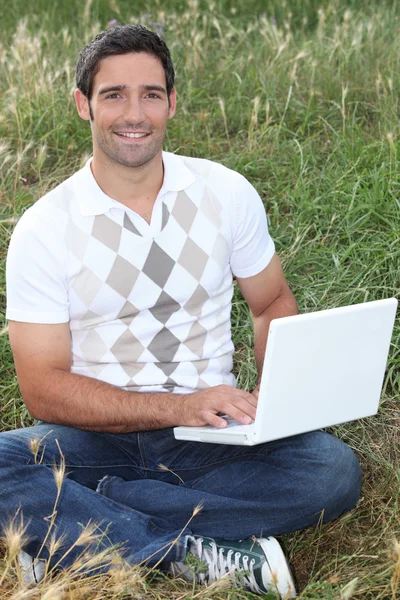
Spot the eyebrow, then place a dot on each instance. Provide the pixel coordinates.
(123, 88)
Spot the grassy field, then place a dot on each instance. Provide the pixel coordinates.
(302, 98)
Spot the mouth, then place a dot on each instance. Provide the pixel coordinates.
(129, 135)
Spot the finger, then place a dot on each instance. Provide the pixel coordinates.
(214, 420)
(250, 398)
(240, 416)
(248, 408)
(235, 392)
(241, 411)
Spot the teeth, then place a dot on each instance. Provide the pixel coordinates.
(133, 135)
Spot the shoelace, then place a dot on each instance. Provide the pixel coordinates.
(220, 566)
(33, 569)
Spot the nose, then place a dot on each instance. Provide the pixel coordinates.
(134, 113)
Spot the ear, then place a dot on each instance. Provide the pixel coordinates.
(82, 105)
(172, 104)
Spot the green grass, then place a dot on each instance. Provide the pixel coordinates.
(300, 97)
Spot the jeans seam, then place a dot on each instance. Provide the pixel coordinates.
(216, 464)
(105, 466)
(113, 439)
(142, 450)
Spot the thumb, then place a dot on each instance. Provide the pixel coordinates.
(256, 391)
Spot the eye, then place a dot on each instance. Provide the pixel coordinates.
(112, 96)
(152, 95)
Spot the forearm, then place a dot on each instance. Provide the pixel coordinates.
(284, 306)
(78, 401)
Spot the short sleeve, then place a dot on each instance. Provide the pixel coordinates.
(252, 246)
(36, 274)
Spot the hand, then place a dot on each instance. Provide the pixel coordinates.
(256, 392)
(202, 408)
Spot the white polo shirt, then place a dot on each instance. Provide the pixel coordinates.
(148, 305)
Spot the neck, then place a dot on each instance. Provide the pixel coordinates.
(128, 185)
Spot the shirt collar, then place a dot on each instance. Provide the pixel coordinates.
(93, 201)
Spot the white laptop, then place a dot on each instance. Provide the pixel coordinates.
(320, 369)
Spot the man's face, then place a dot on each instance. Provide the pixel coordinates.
(129, 108)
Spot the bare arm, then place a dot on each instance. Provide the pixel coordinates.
(42, 355)
(269, 297)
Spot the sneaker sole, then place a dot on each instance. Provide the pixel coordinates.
(278, 565)
(32, 569)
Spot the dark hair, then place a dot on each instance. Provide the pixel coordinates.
(121, 39)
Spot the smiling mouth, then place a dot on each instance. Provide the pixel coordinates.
(135, 136)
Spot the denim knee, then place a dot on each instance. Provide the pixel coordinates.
(14, 447)
(338, 478)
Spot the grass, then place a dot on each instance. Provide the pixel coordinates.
(302, 98)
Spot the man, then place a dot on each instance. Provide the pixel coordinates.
(119, 295)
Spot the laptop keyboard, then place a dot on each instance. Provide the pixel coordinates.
(230, 422)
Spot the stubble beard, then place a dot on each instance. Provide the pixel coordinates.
(131, 156)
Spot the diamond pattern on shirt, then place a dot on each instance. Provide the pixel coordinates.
(94, 345)
(122, 276)
(106, 298)
(203, 233)
(193, 259)
(201, 365)
(96, 370)
(176, 278)
(172, 231)
(167, 368)
(164, 346)
(195, 303)
(161, 288)
(211, 208)
(107, 231)
(93, 317)
(170, 385)
(132, 368)
(219, 332)
(196, 339)
(184, 211)
(145, 327)
(158, 265)
(220, 251)
(87, 285)
(127, 313)
(130, 226)
(99, 257)
(164, 307)
(127, 348)
(201, 384)
(165, 216)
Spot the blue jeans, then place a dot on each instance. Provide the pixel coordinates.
(150, 483)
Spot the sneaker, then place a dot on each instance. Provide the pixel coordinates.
(256, 565)
(32, 569)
